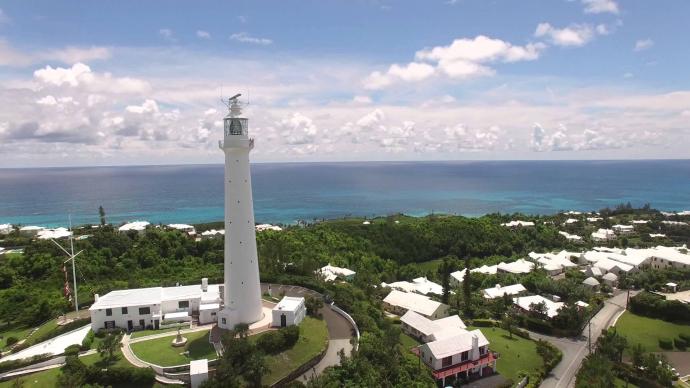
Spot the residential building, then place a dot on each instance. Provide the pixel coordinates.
(198, 372)
(591, 283)
(30, 230)
(288, 312)
(262, 227)
(603, 235)
(520, 266)
(331, 272)
(527, 303)
(420, 285)
(399, 302)
(570, 237)
(610, 279)
(137, 226)
(498, 291)
(623, 229)
(427, 330)
(6, 229)
(516, 224)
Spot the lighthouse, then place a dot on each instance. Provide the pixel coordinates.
(242, 292)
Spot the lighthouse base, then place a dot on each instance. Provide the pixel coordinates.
(228, 319)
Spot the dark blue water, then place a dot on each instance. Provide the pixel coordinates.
(284, 193)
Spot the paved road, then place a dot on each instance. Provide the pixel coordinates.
(576, 349)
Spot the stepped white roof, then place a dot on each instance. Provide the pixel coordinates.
(517, 267)
(213, 232)
(262, 227)
(459, 275)
(498, 291)
(29, 228)
(569, 236)
(456, 344)
(420, 285)
(525, 303)
(486, 269)
(411, 301)
(590, 281)
(47, 234)
(136, 225)
(610, 277)
(331, 272)
(184, 227)
(440, 328)
(675, 223)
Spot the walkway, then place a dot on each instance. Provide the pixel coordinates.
(576, 349)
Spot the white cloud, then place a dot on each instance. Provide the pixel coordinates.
(201, 34)
(147, 107)
(643, 44)
(589, 139)
(167, 34)
(81, 75)
(573, 35)
(362, 100)
(245, 37)
(600, 6)
(463, 58)
(297, 129)
(9, 56)
(628, 75)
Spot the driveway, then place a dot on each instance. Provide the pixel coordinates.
(576, 349)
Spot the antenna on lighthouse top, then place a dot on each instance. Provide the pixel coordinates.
(233, 105)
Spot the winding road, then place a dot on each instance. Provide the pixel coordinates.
(576, 349)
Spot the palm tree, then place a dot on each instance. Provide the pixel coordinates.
(108, 347)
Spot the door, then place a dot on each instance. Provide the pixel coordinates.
(130, 325)
(156, 325)
(283, 320)
(142, 323)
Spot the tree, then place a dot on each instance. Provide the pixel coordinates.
(539, 309)
(101, 214)
(596, 372)
(313, 305)
(467, 288)
(108, 347)
(508, 322)
(444, 271)
(611, 345)
(637, 355)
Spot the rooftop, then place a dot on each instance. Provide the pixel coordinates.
(457, 344)
(289, 303)
(411, 301)
(498, 291)
(526, 302)
(154, 296)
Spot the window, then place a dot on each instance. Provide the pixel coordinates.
(183, 304)
(447, 361)
(464, 356)
(124, 311)
(108, 312)
(144, 310)
(223, 321)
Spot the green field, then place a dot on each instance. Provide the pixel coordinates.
(144, 333)
(313, 337)
(17, 331)
(516, 354)
(159, 351)
(648, 331)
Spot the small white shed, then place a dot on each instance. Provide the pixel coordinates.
(290, 311)
(198, 372)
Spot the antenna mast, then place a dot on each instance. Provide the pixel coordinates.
(71, 256)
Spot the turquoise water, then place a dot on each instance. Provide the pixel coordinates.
(285, 193)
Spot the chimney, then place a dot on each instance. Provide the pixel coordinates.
(475, 347)
(95, 298)
(498, 286)
(204, 284)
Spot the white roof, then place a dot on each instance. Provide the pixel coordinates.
(674, 222)
(581, 303)
(640, 221)
(175, 315)
(486, 269)
(411, 301)
(213, 232)
(331, 272)
(517, 267)
(47, 234)
(31, 227)
(573, 213)
(426, 286)
(289, 303)
(209, 306)
(569, 236)
(610, 276)
(659, 235)
(5, 226)
(459, 275)
(518, 223)
(198, 367)
(136, 225)
(459, 343)
(526, 301)
(609, 264)
(571, 220)
(498, 291)
(154, 296)
(596, 271)
(181, 226)
(366, 223)
(262, 227)
(623, 227)
(590, 281)
(443, 327)
(594, 219)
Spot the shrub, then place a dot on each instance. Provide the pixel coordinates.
(665, 343)
(680, 344)
(291, 335)
(11, 340)
(685, 337)
(271, 342)
(72, 350)
(521, 333)
(88, 340)
(16, 364)
(483, 322)
(538, 325)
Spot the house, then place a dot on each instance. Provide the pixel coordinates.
(212, 233)
(155, 307)
(610, 279)
(457, 277)
(591, 283)
(486, 269)
(671, 287)
(262, 227)
(427, 330)
(30, 230)
(581, 305)
(6, 229)
(594, 272)
(657, 235)
(623, 229)
(189, 229)
(516, 224)
(420, 285)
(463, 355)
(137, 226)
(640, 222)
(330, 273)
(498, 291)
(594, 219)
(399, 302)
(571, 221)
(610, 265)
(603, 235)
(288, 312)
(527, 303)
(53, 234)
(520, 266)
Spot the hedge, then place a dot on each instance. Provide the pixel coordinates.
(665, 343)
(16, 364)
(680, 344)
(655, 306)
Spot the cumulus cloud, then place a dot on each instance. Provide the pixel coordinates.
(463, 58)
(245, 37)
(563, 139)
(9, 56)
(573, 35)
(81, 75)
(600, 6)
(643, 44)
(297, 129)
(201, 34)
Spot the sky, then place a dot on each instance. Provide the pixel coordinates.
(139, 82)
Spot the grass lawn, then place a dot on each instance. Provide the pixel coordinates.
(144, 333)
(47, 378)
(516, 354)
(159, 351)
(313, 335)
(43, 330)
(408, 342)
(648, 331)
(17, 331)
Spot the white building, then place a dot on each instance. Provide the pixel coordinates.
(262, 227)
(427, 330)
(527, 303)
(137, 226)
(198, 372)
(623, 229)
(213, 233)
(516, 224)
(331, 272)
(242, 292)
(498, 291)
(520, 266)
(571, 221)
(603, 235)
(6, 229)
(48, 234)
(674, 223)
(420, 285)
(457, 277)
(189, 229)
(459, 356)
(154, 307)
(610, 279)
(657, 235)
(570, 237)
(30, 230)
(399, 302)
(594, 219)
(290, 311)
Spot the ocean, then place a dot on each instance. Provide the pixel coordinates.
(287, 192)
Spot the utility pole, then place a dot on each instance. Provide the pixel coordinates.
(71, 256)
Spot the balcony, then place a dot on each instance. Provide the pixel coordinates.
(486, 360)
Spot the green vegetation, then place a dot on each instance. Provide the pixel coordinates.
(648, 331)
(18, 332)
(144, 333)
(159, 351)
(313, 337)
(517, 354)
(47, 378)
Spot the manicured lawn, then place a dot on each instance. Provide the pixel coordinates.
(516, 354)
(159, 351)
(43, 330)
(313, 336)
(144, 333)
(17, 331)
(46, 378)
(648, 331)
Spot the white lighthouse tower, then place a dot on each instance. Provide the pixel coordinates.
(242, 292)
